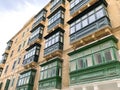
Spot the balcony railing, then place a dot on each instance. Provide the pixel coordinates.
(38, 21)
(58, 21)
(30, 60)
(56, 5)
(95, 26)
(37, 37)
(107, 71)
(55, 47)
(78, 6)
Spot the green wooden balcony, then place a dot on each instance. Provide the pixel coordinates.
(97, 73)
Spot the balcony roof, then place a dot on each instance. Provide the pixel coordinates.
(55, 31)
(87, 10)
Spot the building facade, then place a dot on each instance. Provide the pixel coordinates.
(68, 45)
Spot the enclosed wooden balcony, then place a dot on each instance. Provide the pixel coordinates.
(54, 50)
(32, 55)
(58, 4)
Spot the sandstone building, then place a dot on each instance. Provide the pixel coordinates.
(68, 45)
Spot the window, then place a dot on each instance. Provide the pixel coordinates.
(75, 5)
(19, 60)
(23, 34)
(12, 53)
(89, 61)
(95, 55)
(54, 2)
(7, 84)
(6, 68)
(87, 19)
(32, 55)
(58, 37)
(50, 70)
(12, 82)
(24, 43)
(32, 52)
(98, 58)
(80, 63)
(40, 16)
(37, 31)
(73, 66)
(108, 55)
(14, 64)
(26, 78)
(19, 47)
(59, 14)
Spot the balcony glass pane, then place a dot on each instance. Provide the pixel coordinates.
(84, 23)
(99, 14)
(80, 63)
(72, 66)
(97, 58)
(91, 18)
(89, 60)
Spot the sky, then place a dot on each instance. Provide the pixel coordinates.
(13, 15)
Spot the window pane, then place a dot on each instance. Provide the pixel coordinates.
(72, 5)
(72, 30)
(108, 55)
(73, 66)
(97, 58)
(41, 75)
(89, 61)
(57, 39)
(100, 14)
(53, 72)
(76, 2)
(45, 74)
(78, 26)
(49, 73)
(80, 63)
(84, 23)
(91, 18)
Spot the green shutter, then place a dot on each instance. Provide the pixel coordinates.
(7, 84)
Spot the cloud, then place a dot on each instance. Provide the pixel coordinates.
(13, 15)
(16, 5)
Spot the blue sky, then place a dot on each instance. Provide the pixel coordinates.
(13, 15)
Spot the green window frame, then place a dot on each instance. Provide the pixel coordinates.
(26, 80)
(51, 74)
(50, 70)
